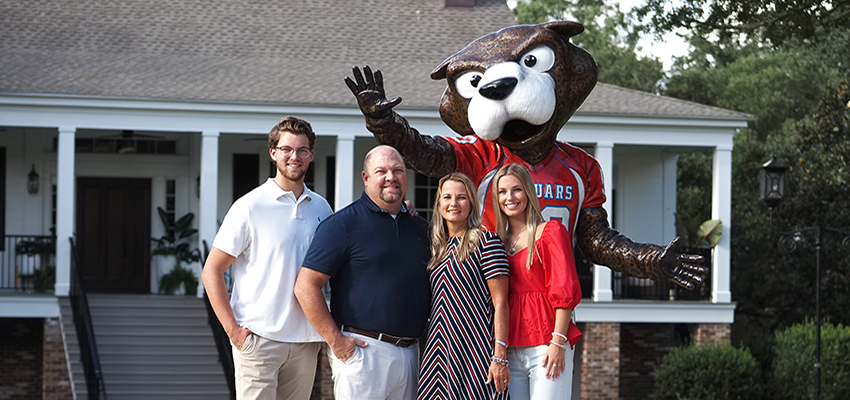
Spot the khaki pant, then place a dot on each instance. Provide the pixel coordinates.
(267, 369)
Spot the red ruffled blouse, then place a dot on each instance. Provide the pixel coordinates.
(550, 283)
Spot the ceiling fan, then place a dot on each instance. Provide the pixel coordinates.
(126, 140)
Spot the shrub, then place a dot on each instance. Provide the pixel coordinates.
(794, 363)
(709, 372)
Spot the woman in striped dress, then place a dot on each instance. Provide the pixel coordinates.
(466, 354)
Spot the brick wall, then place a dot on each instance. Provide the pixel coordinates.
(643, 348)
(21, 358)
(600, 360)
(56, 382)
(712, 333)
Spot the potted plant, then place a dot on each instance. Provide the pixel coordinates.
(174, 250)
(44, 274)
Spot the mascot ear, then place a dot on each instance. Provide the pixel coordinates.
(440, 72)
(566, 29)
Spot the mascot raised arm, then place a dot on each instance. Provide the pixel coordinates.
(508, 95)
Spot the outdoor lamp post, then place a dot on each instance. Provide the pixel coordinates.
(772, 190)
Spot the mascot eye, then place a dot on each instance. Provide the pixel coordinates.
(467, 83)
(540, 59)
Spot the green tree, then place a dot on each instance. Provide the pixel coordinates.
(795, 357)
(818, 149)
(769, 21)
(610, 35)
(782, 86)
(708, 372)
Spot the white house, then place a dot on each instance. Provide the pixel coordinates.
(122, 108)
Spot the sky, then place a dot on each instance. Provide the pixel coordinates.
(670, 46)
(665, 50)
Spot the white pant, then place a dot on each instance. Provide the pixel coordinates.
(378, 371)
(268, 369)
(528, 375)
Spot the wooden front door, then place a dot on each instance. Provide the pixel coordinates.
(113, 234)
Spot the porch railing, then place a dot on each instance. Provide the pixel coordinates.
(222, 342)
(85, 331)
(27, 263)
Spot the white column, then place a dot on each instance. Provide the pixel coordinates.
(602, 275)
(208, 206)
(344, 186)
(668, 196)
(721, 208)
(65, 185)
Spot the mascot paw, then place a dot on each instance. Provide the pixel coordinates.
(685, 270)
(368, 88)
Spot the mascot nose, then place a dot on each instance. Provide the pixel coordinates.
(498, 89)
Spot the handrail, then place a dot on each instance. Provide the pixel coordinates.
(85, 331)
(222, 341)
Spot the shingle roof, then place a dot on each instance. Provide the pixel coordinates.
(295, 52)
(610, 99)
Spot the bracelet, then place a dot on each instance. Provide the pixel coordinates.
(502, 343)
(500, 361)
(559, 345)
(558, 334)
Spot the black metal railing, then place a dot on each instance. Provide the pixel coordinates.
(85, 331)
(27, 263)
(222, 341)
(628, 287)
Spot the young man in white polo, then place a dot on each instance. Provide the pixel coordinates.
(265, 235)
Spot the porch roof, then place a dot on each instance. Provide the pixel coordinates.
(282, 52)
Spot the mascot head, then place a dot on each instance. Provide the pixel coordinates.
(517, 86)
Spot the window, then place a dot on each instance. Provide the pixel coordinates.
(170, 201)
(424, 190)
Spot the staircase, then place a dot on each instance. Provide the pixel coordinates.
(150, 347)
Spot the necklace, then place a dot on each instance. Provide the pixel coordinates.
(513, 250)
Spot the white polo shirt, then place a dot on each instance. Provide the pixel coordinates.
(269, 231)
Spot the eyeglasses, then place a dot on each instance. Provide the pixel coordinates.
(303, 152)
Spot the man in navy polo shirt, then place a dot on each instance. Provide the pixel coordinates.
(374, 253)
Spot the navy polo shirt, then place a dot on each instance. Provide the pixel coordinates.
(377, 267)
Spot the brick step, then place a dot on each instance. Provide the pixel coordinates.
(133, 339)
(151, 330)
(155, 347)
(172, 367)
(207, 355)
(121, 300)
(187, 386)
(159, 395)
(153, 319)
(151, 347)
(105, 313)
(204, 378)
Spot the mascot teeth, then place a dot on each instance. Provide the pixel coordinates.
(506, 92)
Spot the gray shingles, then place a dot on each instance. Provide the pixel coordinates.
(255, 50)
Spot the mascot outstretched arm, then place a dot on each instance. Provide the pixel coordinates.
(509, 93)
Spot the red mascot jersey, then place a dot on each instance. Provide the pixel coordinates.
(567, 180)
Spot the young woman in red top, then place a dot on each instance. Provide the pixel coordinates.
(544, 289)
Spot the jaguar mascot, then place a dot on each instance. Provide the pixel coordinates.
(508, 95)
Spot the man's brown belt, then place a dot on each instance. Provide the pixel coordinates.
(398, 341)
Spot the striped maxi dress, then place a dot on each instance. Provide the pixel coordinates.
(460, 333)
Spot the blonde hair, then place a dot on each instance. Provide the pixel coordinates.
(440, 232)
(533, 217)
